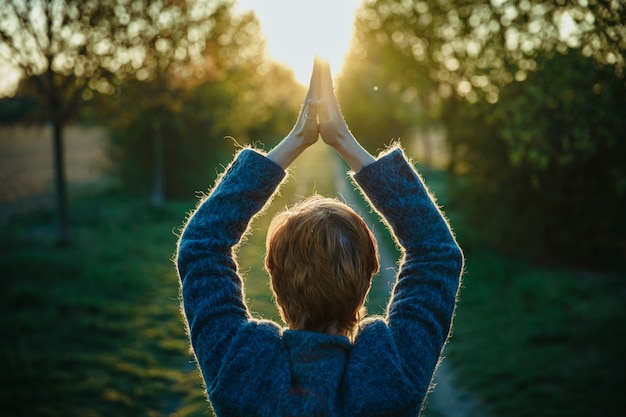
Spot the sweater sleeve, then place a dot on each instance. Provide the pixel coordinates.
(211, 289)
(419, 314)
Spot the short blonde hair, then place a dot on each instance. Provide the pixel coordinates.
(321, 258)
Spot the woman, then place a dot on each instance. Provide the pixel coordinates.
(321, 258)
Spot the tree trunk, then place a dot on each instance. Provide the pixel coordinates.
(60, 185)
(157, 165)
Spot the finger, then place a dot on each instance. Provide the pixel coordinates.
(323, 112)
(326, 81)
(310, 112)
(313, 92)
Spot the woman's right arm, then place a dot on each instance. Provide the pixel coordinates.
(420, 313)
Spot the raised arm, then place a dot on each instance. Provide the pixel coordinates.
(419, 314)
(420, 311)
(211, 289)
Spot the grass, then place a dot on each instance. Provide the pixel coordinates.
(94, 329)
(541, 341)
(532, 340)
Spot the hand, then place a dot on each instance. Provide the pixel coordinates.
(332, 126)
(306, 130)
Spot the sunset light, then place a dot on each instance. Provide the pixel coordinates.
(296, 30)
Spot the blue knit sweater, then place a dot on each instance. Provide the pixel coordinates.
(255, 368)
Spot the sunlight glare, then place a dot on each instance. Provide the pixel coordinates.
(9, 80)
(297, 30)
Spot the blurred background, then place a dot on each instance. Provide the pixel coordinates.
(114, 114)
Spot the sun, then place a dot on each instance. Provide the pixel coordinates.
(297, 30)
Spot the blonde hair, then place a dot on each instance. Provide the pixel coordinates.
(321, 258)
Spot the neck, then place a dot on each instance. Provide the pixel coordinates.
(335, 331)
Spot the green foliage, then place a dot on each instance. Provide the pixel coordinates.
(470, 48)
(69, 50)
(199, 127)
(16, 109)
(363, 88)
(194, 115)
(543, 168)
(192, 140)
(381, 89)
(530, 95)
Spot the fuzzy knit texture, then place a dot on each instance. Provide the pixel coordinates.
(255, 368)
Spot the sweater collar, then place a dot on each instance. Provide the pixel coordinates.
(317, 359)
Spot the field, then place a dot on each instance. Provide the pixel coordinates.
(94, 329)
(532, 339)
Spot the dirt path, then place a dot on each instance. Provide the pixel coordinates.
(447, 399)
(450, 400)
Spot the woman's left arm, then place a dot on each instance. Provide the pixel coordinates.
(211, 289)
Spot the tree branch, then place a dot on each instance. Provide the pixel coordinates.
(27, 27)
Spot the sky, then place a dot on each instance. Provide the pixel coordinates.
(294, 31)
(297, 30)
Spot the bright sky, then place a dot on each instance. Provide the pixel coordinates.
(296, 30)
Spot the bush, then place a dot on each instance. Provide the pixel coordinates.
(544, 172)
(199, 126)
(16, 109)
(192, 142)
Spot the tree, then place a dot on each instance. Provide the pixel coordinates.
(471, 48)
(199, 124)
(543, 171)
(529, 92)
(191, 116)
(71, 50)
(384, 91)
(424, 52)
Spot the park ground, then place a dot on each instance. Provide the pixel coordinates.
(94, 329)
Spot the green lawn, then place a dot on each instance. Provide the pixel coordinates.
(541, 341)
(94, 329)
(532, 340)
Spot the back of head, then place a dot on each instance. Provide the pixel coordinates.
(321, 257)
